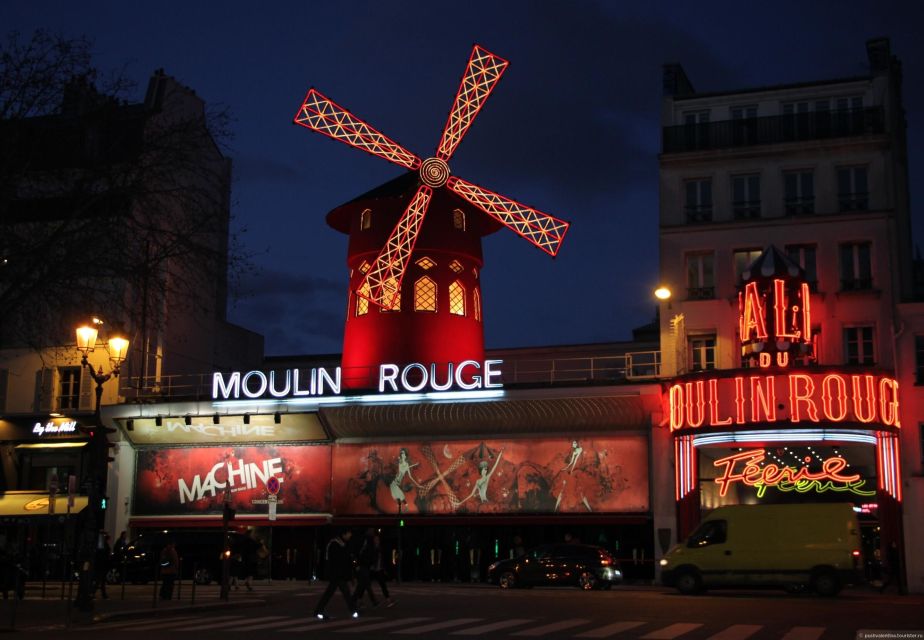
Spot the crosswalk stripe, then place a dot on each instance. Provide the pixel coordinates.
(383, 625)
(263, 625)
(737, 632)
(550, 628)
(609, 630)
(804, 633)
(318, 625)
(436, 626)
(115, 624)
(165, 624)
(671, 631)
(227, 623)
(485, 628)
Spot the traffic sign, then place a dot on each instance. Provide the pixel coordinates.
(272, 485)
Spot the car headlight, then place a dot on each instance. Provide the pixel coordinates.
(492, 566)
(663, 562)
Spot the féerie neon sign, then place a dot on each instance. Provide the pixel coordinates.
(745, 467)
(809, 397)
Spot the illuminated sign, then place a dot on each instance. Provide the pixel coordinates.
(793, 398)
(213, 429)
(746, 467)
(414, 377)
(69, 426)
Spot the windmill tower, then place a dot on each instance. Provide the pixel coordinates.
(415, 292)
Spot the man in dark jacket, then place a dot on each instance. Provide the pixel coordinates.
(339, 572)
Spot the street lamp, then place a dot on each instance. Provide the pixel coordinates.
(662, 293)
(117, 347)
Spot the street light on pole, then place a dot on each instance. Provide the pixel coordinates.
(117, 347)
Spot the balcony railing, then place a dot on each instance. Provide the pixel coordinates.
(698, 213)
(853, 201)
(799, 206)
(856, 284)
(700, 293)
(795, 127)
(746, 209)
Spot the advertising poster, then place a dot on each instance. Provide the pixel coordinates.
(608, 474)
(193, 481)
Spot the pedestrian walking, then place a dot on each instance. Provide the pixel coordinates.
(101, 564)
(339, 572)
(377, 572)
(370, 567)
(169, 565)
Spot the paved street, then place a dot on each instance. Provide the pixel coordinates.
(444, 610)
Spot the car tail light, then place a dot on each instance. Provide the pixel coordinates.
(856, 555)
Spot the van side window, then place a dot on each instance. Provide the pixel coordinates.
(712, 532)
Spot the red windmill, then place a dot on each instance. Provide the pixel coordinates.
(399, 333)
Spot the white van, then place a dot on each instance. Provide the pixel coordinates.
(792, 546)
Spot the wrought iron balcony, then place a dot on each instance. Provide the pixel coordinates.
(795, 127)
(700, 293)
(746, 209)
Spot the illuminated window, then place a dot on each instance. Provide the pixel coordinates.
(455, 266)
(743, 259)
(391, 287)
(362, 303)
(698, 206)
(365, 219)
(919, 359)
(458, 219)
(856, 267)
(700, 276)
(69, 387)
(858, 345)
(476, 303)
(702, 353)
(425, 263)
(425, 295)
(457, 299)
(364, 267)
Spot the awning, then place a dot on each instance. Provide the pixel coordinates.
(22, 504)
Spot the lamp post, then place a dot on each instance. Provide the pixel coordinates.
(98, 463)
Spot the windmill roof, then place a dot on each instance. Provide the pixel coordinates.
(772, 262)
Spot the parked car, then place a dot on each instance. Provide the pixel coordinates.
(200, 554)
(583, 565)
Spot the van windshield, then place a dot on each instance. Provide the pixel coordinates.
(708, 533)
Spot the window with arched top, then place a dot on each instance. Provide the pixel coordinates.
(362, 299)
(458, 219)
(365, 219)
(391, 289)
(457, 299)
(476, 304)
(425, 295)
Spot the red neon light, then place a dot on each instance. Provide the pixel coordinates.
(809, 397)
(806, 313)
(753, 320)
(797, 399)
(780, 307)
(482, 73)
(763, 397)
(770, 475)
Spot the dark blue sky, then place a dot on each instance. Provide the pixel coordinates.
(572, 128)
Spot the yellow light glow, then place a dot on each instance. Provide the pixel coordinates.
(662, 293)
(86, 338)
(118, 348)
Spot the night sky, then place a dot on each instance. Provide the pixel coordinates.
(572, 128)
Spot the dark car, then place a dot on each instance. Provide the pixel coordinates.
(583, 565)
(200, 555)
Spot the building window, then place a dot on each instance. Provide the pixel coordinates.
(744, 112)
(365, 219)
(799, 192)
(696, 117)
(457, 299)
(455, 266)
(702, 353)
(458, 219)
(362, 299)
(700, 276)
(744, 124)
(743, 259)
(856, 268)
(476, 304)
(391, 288)
(425, 263)
(919, 359)
(852, 189)
(696, 129)
(425, 295)
(804, 256)
(69, 386)
(746, 196)
(698, 207)
(364, 267)
(858, 344)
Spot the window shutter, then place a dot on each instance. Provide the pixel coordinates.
(86, 390)
(44, 389)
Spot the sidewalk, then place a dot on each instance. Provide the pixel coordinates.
(34, 611)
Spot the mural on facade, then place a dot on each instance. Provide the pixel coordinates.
(194, 480)
(488, 476)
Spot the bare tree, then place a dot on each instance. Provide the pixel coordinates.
(107, 206)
